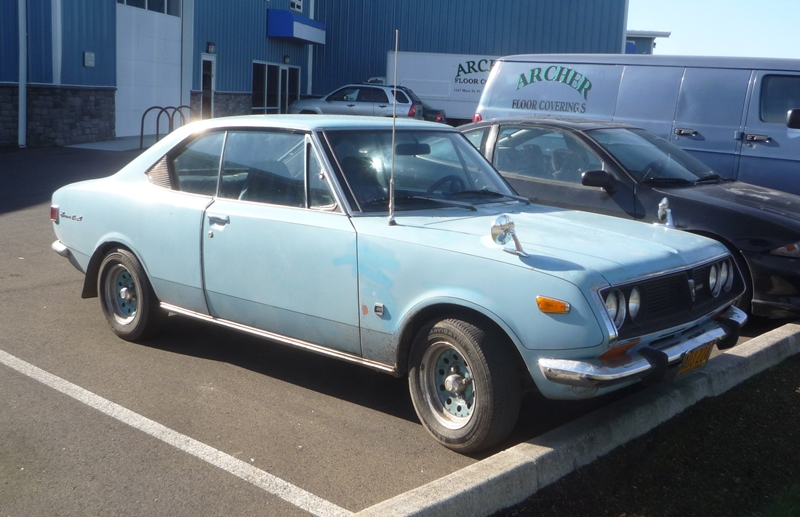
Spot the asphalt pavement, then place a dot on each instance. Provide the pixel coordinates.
(206, 421)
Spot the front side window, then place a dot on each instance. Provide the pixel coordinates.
(432, 169)
(196, 164)
(779, 94)
(264, 167)
(345, 94)
(649, 158)
(543, 153)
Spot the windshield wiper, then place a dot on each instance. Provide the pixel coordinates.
(449, 202)
(494, 193)
(666, 180)
(710, 177)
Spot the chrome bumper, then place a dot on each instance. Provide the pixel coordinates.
(59, 248)
(648, 364)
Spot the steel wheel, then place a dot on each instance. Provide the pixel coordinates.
(120, 293)
(126, 297)
(447, 385)
(464, 384)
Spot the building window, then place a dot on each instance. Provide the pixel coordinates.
(274, 87)
(296, 5)
(171, 7)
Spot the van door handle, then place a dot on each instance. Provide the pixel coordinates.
(758, 138)
(216, 219)
(680, 131)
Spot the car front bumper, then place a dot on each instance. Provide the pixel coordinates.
(647, 364)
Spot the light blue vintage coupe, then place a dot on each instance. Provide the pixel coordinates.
(395, 245)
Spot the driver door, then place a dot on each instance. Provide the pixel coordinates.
(277, 253)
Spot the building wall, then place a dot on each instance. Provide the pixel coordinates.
(240, 36)
(361, 32)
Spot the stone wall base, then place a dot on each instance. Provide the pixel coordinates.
(58, 115)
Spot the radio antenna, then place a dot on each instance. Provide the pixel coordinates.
(392, 222)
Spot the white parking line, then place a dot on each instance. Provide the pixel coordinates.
(243, 470)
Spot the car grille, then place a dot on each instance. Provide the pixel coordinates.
(674, 299)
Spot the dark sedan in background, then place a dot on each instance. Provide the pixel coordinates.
(628, 172)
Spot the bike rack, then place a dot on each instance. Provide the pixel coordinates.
(171, 112)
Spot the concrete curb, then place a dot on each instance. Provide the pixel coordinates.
(515, 474)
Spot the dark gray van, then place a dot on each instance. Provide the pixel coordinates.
(739, 115)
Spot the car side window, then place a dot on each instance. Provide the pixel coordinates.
(196, 164)
(779, 94)
(345, 94)
(264, 167)
(401, 97)
(373, 95)
(543, 153)
(477, 137)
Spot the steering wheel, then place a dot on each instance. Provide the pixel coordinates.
(454, 180)
(653, 169)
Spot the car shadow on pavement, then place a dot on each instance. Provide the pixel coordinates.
(329, 376)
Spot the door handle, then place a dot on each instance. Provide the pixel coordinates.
(216, 219)
(758, 138)
(680, 131)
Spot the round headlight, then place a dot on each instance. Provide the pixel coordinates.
(615, 305)
(724, 274)
(634, 303)
(729, 283)
(713, 276)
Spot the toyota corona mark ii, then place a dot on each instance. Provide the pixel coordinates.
(402, 251)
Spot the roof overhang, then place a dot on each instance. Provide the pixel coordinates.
(286, 24)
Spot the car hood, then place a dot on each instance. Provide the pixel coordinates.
(583, 248)
(763, 202)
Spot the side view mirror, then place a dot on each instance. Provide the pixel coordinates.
(598, 178)
(502, 233)
(793, 119)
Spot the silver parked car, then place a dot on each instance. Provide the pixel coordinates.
(363, 99)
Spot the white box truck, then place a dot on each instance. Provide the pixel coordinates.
(452, 82)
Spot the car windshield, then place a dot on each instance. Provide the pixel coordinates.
(651, 159)
(432, 169)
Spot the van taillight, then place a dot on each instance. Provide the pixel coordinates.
(54, 213)
(477, 117)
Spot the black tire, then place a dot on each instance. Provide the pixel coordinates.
(475, 403)
(127, 298)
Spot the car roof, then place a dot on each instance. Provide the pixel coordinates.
(313, 122)
(579, 124)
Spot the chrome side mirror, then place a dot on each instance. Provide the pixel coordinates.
(665, 214)
(503, 232)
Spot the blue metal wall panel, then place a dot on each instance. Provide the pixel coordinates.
(89, 26)
(40, 53)
(9, 46)
(240, 36)
(360, 32)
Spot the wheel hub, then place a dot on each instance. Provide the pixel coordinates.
(127, 294)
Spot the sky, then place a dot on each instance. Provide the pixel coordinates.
(745, 28)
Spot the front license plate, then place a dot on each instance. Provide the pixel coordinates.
(696, 358)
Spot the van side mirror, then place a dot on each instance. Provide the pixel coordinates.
(793, 119)
(598, 178)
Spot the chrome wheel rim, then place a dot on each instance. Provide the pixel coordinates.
(447, 385)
